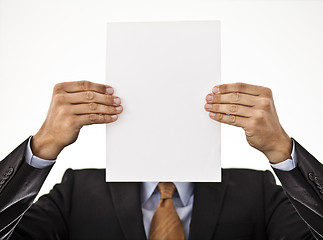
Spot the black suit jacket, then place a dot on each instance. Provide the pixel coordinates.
(246, 205)
(304, 187)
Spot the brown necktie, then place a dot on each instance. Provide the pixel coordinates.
(166, 224)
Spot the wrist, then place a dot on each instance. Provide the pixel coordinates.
(281, 152)
(44, 147)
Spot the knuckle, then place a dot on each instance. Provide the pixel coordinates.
(59, 98)
(104, 118)
(261, 115)
(232, 118)
(219, 116)
(84, 85)
(93, 118)
(58, 87)
(268, 92)
(239, 86)
(233, 108)
(265, 103)
(88, 95)
(96, 118)
(93, 106)
(101, 118)
(235, 97)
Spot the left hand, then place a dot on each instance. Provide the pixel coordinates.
(251, 108)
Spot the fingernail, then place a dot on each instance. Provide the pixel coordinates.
(119, 108)
(212, 114)
(216, 89)
(209, 97)
(208, 106)
(117, 100)
(114, 117)
(109, 90)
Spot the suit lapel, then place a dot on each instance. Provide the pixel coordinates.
(126, 200)
(208, 199)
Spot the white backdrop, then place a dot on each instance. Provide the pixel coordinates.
(278, 44)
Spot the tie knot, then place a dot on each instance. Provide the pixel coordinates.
(166, 190)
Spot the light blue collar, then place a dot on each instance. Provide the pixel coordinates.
(184, 189)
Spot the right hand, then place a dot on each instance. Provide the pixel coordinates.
(73, 105)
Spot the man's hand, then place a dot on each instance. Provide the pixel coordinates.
(73, 105)
(252, 108)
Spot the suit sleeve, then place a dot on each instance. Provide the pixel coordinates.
(304, 188)
(19, 185)
(48, 218)
(281, 220)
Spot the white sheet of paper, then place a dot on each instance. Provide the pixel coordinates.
(162, 71)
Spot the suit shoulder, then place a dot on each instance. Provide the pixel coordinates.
(247, 174)
(85, 174)
(86, 170)
(245, 171)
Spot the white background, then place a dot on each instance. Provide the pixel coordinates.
(278, 44)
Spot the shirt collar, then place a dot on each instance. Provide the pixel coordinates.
(184, 189)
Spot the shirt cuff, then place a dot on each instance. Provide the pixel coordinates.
(288, 164)
(34, 161)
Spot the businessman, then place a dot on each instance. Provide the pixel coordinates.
(246, 205)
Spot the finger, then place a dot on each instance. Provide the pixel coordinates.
(235, 98)
(88, 108)
(89, 96)
(230, 109)
(229, 119)
(242, 88)
(81, 86)
(89, 119)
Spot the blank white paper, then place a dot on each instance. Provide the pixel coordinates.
(162, 71)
